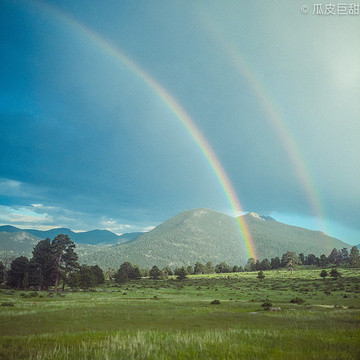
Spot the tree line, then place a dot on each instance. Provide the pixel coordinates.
(54, 262)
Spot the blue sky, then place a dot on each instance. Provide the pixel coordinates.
(85, 143)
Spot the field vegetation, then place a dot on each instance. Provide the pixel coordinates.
(278, 315)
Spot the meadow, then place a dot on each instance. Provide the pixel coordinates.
(171, 319)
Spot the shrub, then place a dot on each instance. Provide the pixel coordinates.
(267, 305)
(7, 304)
(215, 302)
(297, 300)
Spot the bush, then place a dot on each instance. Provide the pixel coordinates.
(215, 302)
(266, 305)
(7, 304)
(297, 300)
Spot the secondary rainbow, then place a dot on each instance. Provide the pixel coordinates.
(274, 116)
(111, 50)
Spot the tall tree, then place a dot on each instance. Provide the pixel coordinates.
(354, 257)
(275, 262)
(345, 255)
(199, 268)
(98, 273)
(181, 274)
(86, 277)
(2, 272)
(155, 273)
(265, 265)
(290, 260)
(250, 265)
(311, 259)
(42, 265)
(323, 260)
(65, 258)
(335, 257)
(209, 268)
(18, 272)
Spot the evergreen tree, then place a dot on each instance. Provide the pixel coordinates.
(323, 260)
(199, 268)
(42, 265)
(121, 276)
(275, 263)
(181, 275)
(155, 273)
(345, 255)
(335, 257)
(335, 273)
(250, 265)
(65, 258)
(324, 274)
(290, 260)
(98, 273)
(209, 268)
(167, 271)
(18, 273)
(265, 265)
(222, 268)
(302, 258)
(311, 259)
(261, 275)
(190, 270)
(354, 257)
(86, 277)
(136, 274)
(2, 272)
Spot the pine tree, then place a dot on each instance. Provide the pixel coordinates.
(261, 275)
(324, 274)
(155, 273)
(354, 257)
(2, 272)
(335, 273)
(42, 265)
(181, 275)
(65, 258)
(18, 272)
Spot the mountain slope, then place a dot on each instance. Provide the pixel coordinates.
(194, 235)
(206, 235)
(272, 238)
(18, 243)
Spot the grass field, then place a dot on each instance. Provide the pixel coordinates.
(176, 320)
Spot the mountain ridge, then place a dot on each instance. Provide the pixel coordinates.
(92, 237)
(207, 235)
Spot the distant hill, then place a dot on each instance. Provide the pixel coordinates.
(206, 235)
(93, 237)
(19, 243)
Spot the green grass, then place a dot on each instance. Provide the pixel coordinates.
(175, 320)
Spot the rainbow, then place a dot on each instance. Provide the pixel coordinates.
(111, 50)
(274, 117)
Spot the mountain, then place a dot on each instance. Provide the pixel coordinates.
(195, 235)
(93, 237)
(273, 238)
(9, 228)
(206, 235)
(19, 243)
